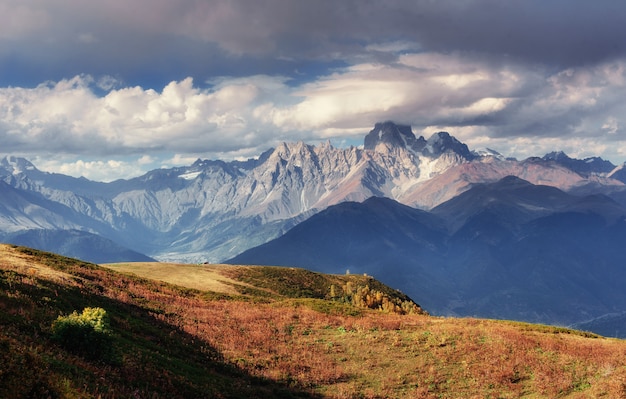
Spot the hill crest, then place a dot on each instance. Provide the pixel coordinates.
(173, 342)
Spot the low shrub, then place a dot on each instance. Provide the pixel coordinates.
(88, 334)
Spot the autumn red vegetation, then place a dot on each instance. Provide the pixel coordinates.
(175, 342)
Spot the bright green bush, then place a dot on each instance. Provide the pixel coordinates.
(88, 333)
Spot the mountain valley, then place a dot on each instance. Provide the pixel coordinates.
(468, 233)
(508, 249)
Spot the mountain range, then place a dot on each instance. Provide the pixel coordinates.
(213, 210)
(482, 234)
(508, 249)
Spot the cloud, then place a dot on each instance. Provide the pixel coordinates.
(17, 20)
(137, 81)
(67, 116)
(611, 125)
(146, 160)
(571, 109)
(148, 41)
(421, 89)
(533, 30)
(96, 170)
(520, 109)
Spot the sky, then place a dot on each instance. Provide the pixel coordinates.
(112, 89)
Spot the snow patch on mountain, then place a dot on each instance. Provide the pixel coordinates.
(16, 165)
(488, 152)
(190, 175)
(214, 208)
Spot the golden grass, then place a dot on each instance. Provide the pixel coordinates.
(13, 259)
(372, 354)
(200, 277)
(411, 356)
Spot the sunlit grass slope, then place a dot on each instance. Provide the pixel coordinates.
(275, 332)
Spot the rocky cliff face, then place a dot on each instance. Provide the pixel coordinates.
(213, 210)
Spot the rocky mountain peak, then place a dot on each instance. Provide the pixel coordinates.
(15, 165)
(292, 151)
(401, 136)
(326, 145)
(395, 135)
(488, 153)
(584, 167)
(442, 142)
(199, 163)
(556, 156)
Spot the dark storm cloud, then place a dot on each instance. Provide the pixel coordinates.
(563, 32)
(232, 77)
(560, 32)
(172, 40)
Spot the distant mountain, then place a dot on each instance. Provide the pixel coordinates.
(463, 232)
(379, 237)
(21, 173)
(28, 218)
(395, 136)
(508, 249)
(23, 209)
(77, 244)
(618, 173)
(213, 210)
(402, 136)
(584, 167)
(609, 325)
(516, 201)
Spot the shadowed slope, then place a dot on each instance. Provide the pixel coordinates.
(171, 342)
(509, 250)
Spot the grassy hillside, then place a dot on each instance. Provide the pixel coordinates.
(273, 332)
(263, 282)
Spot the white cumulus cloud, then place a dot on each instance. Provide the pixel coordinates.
(521, 110)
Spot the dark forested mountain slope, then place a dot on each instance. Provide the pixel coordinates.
(77, 244)
(504, 250)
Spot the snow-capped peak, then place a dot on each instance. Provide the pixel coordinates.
(442, 142)
(16, 165)
(488, 152)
